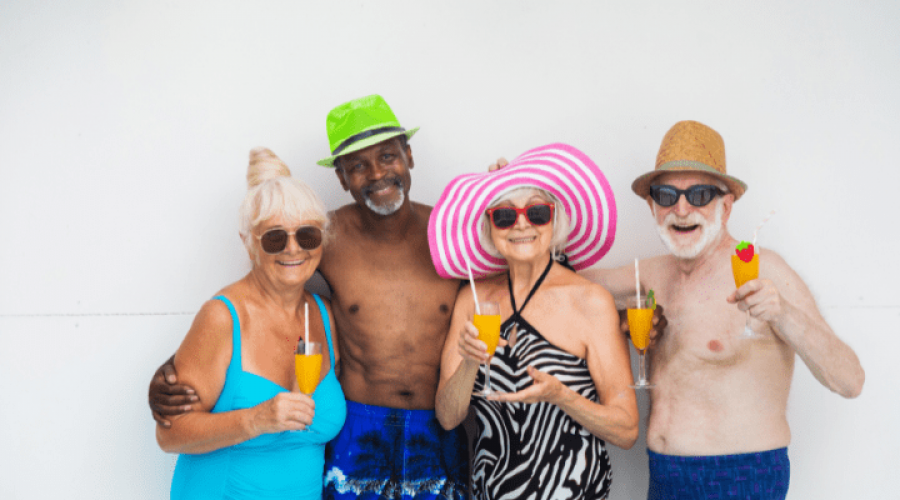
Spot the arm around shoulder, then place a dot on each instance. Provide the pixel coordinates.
(202, 362)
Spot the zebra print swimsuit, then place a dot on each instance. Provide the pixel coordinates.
(535, 451)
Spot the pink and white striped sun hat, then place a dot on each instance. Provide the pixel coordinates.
(560, 169)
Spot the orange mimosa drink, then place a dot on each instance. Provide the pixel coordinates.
(744, 263)
(308, 366)
(488, 330)
(640, 322)
(308, 369)
(744, 271)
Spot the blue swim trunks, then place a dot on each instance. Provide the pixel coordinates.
(757, 476)
(389, 453)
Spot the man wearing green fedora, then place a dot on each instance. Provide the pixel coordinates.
(393, 312)
(718, 423)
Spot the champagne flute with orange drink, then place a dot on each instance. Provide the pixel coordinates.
(308, 365)
(640, 321)
(487, 321)
(745, 267)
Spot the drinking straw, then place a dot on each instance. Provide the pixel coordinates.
(637, 285)
(761, 225)
(306, 327)
(472, 282)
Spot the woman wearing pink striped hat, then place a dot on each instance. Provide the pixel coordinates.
(562, 371)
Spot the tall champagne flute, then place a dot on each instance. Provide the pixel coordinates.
(308, 367)
(640, 322)
(488, 325)
(744, 272)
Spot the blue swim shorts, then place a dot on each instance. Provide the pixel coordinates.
(757, 476)
(389, 453)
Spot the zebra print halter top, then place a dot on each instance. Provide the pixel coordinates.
(535, 451)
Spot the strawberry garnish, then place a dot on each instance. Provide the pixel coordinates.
(744, 251)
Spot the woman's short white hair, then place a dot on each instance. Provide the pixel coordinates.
(271, 191)
(561, 225)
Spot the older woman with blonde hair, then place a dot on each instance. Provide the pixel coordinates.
(561, 376)
(253, 434)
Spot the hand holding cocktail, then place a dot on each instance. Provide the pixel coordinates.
(640, 321)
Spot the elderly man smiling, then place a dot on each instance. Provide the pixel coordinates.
(718, 422)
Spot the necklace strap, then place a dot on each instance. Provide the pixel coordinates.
(537, 284)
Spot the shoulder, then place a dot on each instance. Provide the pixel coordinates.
(653, 265)
(773, 266)
(214, 317)
(323, 305)
(589, 297)
(421, 208)
(209, 340)
(340, 217)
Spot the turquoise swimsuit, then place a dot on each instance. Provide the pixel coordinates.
(287, 465)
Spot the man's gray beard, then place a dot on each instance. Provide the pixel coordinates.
(387, 209)
(711, 231)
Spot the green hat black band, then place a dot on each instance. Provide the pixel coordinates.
(362, 135)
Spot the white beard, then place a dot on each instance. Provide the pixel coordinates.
(710, 231)
(387, 209)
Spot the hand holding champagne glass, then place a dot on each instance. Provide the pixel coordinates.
(487, 321)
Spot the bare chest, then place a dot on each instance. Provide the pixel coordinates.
(388, 294)
(703, 327)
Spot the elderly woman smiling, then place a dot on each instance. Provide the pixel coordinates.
(563, 376)
(239, 357)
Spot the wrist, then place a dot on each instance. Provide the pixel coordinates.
(248, 422)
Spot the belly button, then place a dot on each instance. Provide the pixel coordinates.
(714, 346)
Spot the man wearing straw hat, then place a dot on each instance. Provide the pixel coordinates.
(718, 420)
(392, 311)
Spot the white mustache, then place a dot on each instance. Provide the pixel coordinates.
(693, 219)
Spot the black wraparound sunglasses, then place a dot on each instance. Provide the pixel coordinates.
(698, 196)
(276, 240)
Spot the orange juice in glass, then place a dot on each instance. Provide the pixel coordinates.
(745, 267)
(487, 321)
(640, 322)
(308, 366)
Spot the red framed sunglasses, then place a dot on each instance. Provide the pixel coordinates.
(538, 214)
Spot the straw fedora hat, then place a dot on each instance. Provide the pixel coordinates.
(565, 172)
(690, 146)
(360, 123)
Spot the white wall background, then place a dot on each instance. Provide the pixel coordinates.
(125, 127)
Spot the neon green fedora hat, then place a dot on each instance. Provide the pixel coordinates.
(360, 123)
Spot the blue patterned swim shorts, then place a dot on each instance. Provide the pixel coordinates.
(757, 476)
(389, 453)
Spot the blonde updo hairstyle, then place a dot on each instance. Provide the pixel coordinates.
(271, 191)
(561, 224)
